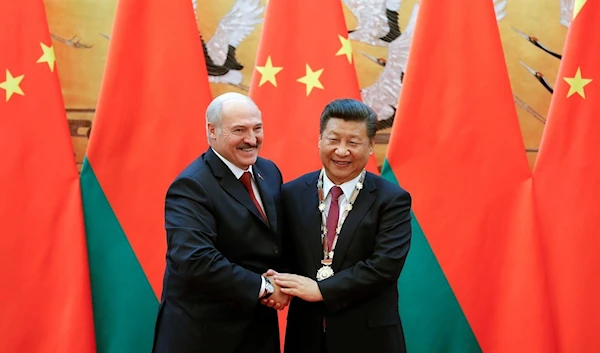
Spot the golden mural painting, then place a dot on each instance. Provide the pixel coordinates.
(533, 34)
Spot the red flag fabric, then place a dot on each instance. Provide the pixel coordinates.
(45, 302)
(567, 185)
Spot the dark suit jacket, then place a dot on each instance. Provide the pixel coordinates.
(217, 248)
(361, 300)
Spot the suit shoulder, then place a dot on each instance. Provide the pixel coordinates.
(269, 168)
(196, 166)
(264, 164)
(197, 172)
(388, 188)
(300, 182)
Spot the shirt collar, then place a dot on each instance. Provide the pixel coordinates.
(237, 171)
(347, 187)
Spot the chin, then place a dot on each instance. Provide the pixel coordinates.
(248, 161)
(337, 176)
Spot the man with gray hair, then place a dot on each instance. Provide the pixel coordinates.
(222, 218)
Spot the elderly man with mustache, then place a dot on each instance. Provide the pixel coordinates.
(223, 232)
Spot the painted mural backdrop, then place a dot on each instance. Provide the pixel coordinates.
(533, 34)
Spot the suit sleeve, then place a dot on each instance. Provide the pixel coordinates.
(191, 238)
(382, 268)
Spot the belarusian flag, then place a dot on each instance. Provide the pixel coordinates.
(45, 301)
(473, 280)
(304, 61)
(149, 125)
(567, 186)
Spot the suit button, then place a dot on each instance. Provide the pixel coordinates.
(275, 250)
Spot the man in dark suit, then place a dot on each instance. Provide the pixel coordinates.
(223, 232)
(348, 233)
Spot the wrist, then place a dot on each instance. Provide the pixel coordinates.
(269, 288)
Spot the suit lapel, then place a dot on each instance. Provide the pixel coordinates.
(230, 184)
(266, 198)
(360, 208)
(312, 221)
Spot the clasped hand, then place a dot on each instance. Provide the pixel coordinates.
(278, 300)
(288, 285)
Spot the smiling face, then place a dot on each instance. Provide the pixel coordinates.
(345, 148)
(239, 133)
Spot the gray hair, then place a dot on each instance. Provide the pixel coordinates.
(214, 112)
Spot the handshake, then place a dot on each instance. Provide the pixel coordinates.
(287, 286)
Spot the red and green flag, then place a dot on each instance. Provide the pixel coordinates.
(474, 280)
(149, 126)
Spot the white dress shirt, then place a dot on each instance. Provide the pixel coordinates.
(347, 189)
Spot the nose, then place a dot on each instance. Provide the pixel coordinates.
(251, 138)
(342, 150)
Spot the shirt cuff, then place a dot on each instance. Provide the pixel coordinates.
(262, 287)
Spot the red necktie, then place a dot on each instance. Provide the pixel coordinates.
(332, 222)
(247, 182)
(333, 215)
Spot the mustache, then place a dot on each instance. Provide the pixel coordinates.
(247, 145)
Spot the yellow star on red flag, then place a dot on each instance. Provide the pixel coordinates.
(48, 56)
(346, 48)
(11, 85)
(577, 7)
(311, 79)
(268, 72)
(577, 83)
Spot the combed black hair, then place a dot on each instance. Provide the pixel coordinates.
(349, 110)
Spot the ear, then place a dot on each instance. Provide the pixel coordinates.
(371, 146)
(212, 130)
(319, 144)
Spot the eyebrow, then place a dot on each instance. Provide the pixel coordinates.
(236, 126)
(338, 134)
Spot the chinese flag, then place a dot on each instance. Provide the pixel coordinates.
(45, 301)
(148, 127)
(567, 186)
(304, 61)
(474, 278)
